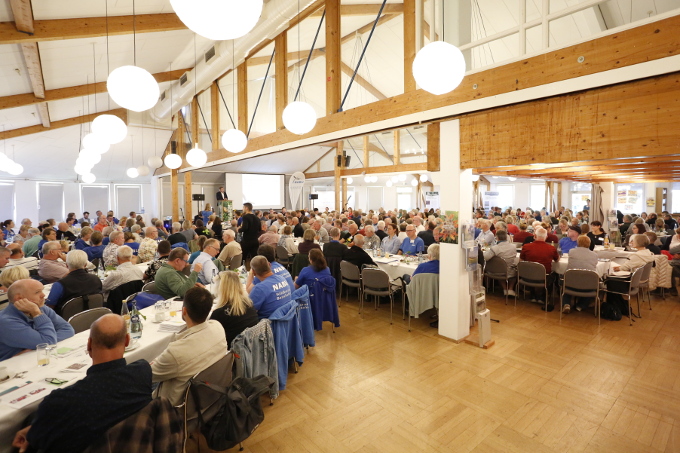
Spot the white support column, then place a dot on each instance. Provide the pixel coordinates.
(608, 201)
(455, 195)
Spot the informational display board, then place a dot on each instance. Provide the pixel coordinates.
(490, 199)
(432, 200)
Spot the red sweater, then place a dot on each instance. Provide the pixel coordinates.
(540, 252)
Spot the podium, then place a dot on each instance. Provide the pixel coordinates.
(225, 209)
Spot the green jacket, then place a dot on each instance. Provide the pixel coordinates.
(31, 246)
(171, 283)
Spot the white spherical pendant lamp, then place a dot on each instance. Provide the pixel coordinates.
(90, 158)
(299, 117)
(219, 20)
(350, 180)
(234, 141)
(154, 161)
(89, 178)
(15, 169)
(389, 183)
(132, 172)
(110, 128)
(423, 178)
(133, 88)
(143, 170)
(414, 182)
(96, 143)
(173, 161)
(401, 178)
(82, 169)
(439, 67)
(196, 157)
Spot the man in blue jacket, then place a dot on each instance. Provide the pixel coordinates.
(272, 292)
(27, 322)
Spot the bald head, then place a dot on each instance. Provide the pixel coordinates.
(109, 332)
(63, 226)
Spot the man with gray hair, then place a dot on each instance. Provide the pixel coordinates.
(356, 253)
(230, 249)
(272, 292)
(149, 245)
(116, 239)
(78, 282)
(543, 253)
(320, 233)
(508, 253)
(205, 259)
(380, 230)
(26, 322)
(52, 266)
(31, 245)
(371, 240)
(176, 237)
(125, 271)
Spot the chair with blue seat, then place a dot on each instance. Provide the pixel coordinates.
(323, 302)
(287, 339)
(301, 296)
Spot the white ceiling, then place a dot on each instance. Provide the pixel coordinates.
(51, 154)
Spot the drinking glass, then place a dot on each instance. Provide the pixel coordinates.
(43, 353)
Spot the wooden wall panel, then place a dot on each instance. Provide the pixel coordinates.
(637, 118)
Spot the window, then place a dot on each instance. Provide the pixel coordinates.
(630, 198)
(375, 198)
(580, 194)
(327, 197)
(128, 198)
(51, 201)
(404, 198)
(95, 198)
(537, 196)
(7, 205)
(675, 197)
(506, 195)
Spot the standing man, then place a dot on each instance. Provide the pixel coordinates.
(221, 196)
(250, 227)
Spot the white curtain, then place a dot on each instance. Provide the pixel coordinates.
(596, 211)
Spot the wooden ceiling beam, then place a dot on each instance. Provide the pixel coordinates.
(13, 133)
(90, 27)
(511, 170)
(44, 113)
(23, 15)
(587, 170)
(34, 68)
(20, 100)
(366, 9)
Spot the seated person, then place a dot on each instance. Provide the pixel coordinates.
(543, 253)
(317, 268)
(164, 249)
(176, 237)
(31, 244)
(234, 308)
(116, 239)
(72, 418)
(211, 249)
(523, 233)
(63, 233)
(347, 237)
(11, 275)
(125, 271)
(26, 322)
(413, 245)
(84, 240)
(431, 266)
(52, 266)
(569, 242)
(277, 268)
(286, 240)
(652, 247)
(357, 255)
(170, 279)
(131, 242)
(48, 234)
(334, 248)
(231, 248)
(485, 236)
(17, 258)
(580, 258)
(596, 234)
(272, 292)
(308, 242)
(428, 235)
(198, 347)
(78, 282)
(96, 250)
(391, 243)
(508, 252)
(641, 257)
(149, 245)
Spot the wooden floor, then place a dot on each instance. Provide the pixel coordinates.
(545, 386)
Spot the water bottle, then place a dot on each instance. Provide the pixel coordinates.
(135, 322)
(125, 313)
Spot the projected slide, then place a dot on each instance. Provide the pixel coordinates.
(263, 191)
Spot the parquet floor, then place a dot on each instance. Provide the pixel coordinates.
(545, 386)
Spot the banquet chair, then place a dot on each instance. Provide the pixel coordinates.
(118, 294)
(632, 284)
(300, 261)
(497, 269)
(83, 320)
(323, 303)
(282, 256)
(236, 261)
(423, 294)
(376, 282)
(149, 287)
(334, 266)
(532, 275)
(644, 285)
(350, 276)
(81, 303)
(581, 283)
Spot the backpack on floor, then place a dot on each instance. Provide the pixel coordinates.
(610, 311)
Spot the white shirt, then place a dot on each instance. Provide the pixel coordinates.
(420, 228)
(209, 269)
(124, 273)
(29, 263)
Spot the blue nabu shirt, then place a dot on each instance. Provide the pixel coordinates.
(277, 269)
(271, 293)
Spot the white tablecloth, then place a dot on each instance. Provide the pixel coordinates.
(603, 267)
(609, 254)
(150, 346)
(394, 267)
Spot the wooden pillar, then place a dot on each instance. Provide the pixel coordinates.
(397, 147)
(333, 53)
(194, 122)
(174, 187)
(433, 147)
(337, 167)
(409, 44)
(187, 196)
(215, 117)
(344, 194)
(242, 88)
(559, 195)
(281, 62)
(366, 143)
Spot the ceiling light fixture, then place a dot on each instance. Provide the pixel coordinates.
(423, 178)
(233, 139)
(89, 178)
(439, 67)
(350, 180)
(219, 20)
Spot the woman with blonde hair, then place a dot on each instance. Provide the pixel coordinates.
(235, 309)
(13, 274)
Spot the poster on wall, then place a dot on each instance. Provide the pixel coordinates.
(622, 193)
(449, 234)
(490, 199)
(432, 200)
(651, 202)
